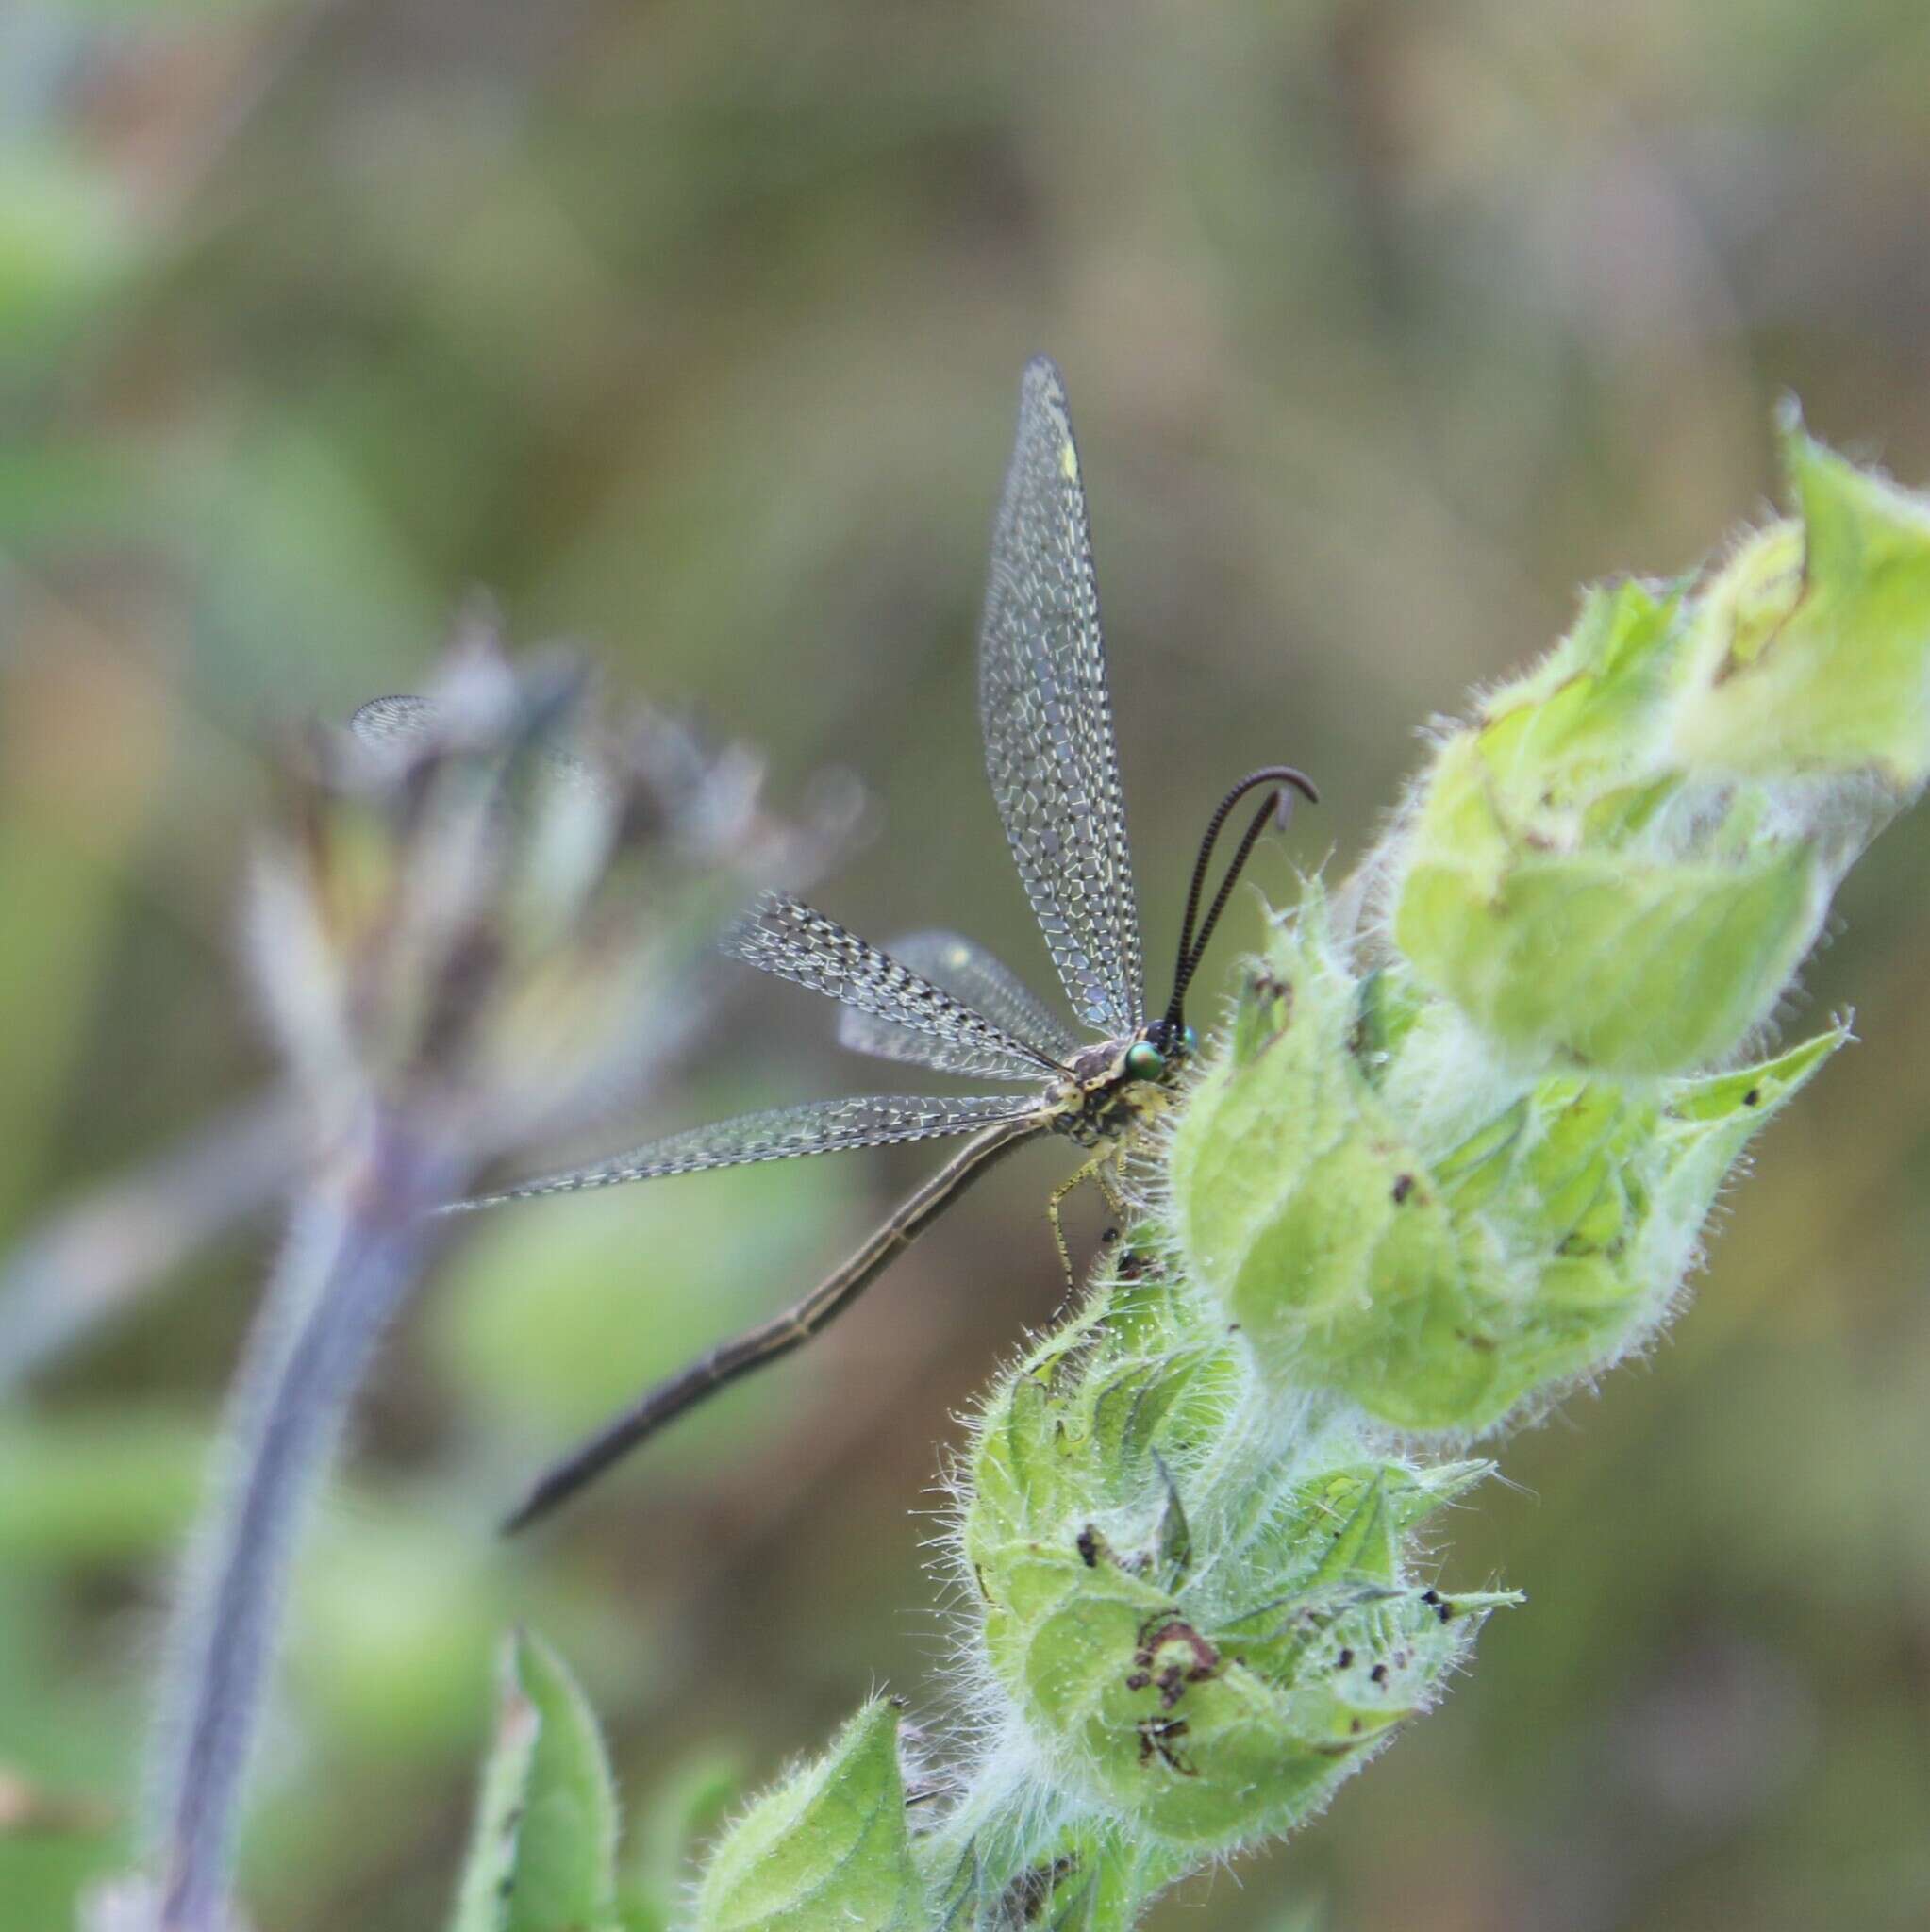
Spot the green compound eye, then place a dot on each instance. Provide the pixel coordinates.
(1188, 1039)
(1144, 1061)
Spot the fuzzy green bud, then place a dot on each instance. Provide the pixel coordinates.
(1383, 1220)
(1089, 1876)
(1210, 1672)
(1813, 656)
(1621, 862)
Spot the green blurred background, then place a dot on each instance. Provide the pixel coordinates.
(693, 330)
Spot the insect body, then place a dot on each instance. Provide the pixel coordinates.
(939, 1001)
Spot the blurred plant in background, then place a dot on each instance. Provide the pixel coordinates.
(474, 925)
(692, 329)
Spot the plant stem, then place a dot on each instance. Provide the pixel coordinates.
(358, 1242)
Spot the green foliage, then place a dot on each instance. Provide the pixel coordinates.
(1383, 1220)
(543, 1853)
(828, 1851)
(1089, 1876)
(1204, 1631)
(1622, 862)
(1808, 660)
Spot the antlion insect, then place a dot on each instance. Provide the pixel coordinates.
(940, 1001)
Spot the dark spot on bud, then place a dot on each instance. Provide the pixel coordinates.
(1087, 1547)
(1198, 1661)
(1357, 1728)
(1344, 1661)
(1753, 1097)
(1157, 1734)
(1430, 1596)
(1379, 1674)
(1028, 1894)
(1445, 1612)
(1404, 1186)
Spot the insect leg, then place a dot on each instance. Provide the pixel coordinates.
(1095, 1170)
(776, 1338)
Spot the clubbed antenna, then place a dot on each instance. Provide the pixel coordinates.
(1278, 806)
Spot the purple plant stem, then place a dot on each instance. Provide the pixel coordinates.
(357, 1243)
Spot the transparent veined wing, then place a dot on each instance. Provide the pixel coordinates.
(780, 1133)
(1047, 714)
(784, 936)
(976, 979)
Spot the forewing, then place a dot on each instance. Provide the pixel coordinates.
(974, 977)
(782, 1133)
(1047, 714)
(784, 936)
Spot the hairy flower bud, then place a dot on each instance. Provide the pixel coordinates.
(1621, 862)
(1383, 1220)
(1210, 1666)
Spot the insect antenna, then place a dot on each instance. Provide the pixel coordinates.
(1277, 807)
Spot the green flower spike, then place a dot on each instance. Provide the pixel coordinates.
(1205, 1642)
(1812, 658)
(1621, 863)
(1382, 1222)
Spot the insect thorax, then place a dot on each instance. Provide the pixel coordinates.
(1102, 1102)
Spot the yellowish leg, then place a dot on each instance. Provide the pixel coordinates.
(1095, 1170)
(1108, 1172)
